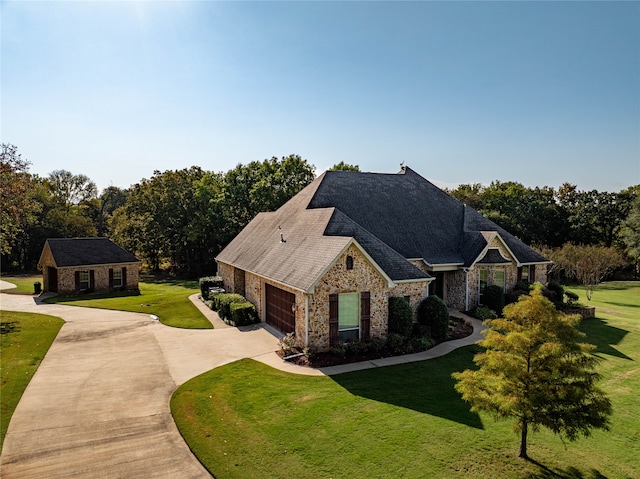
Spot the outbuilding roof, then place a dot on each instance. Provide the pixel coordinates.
(69, 252)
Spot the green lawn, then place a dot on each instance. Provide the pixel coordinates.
(24, 283)
(248, 420)
(24, 340)
(169, 300)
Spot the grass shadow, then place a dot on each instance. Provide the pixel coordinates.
(569, 473)
(603, 336)
(425, 386)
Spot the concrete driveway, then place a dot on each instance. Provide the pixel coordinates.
(98, 406)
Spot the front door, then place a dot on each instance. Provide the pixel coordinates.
(52, 276)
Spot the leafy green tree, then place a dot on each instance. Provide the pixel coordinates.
(469, 194)
(261, 186)
(594, 217)
(536, 370)
(102, 207)
(17, 208)
(631, 233)
(70, 189)
(342, 166)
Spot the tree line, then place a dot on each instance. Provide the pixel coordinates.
(181, 219)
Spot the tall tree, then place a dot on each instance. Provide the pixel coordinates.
(16, 204)
(536, 370)
(342, 166)
(262, 186)
(102, 207)
(70, 189)
(631, 234)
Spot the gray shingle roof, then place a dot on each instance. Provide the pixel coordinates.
(87, 251)
(394, 217)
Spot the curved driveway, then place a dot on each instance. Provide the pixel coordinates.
(98, 405)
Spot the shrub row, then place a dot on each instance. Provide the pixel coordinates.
(233, 309)
(394, 344)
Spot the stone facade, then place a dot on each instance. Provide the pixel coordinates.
(338, 279)
(363, 277)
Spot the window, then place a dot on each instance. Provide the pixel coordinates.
(84, 280)
(524, 274)
(484, 280)
(499, 278)
(117, 278)
(349, 262)
(348, 316)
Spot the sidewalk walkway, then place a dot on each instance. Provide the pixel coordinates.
(275, 361)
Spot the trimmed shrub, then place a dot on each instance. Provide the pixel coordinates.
(242, 314)
(400, 316)
(494, 298)
(483, 313)
(222, 303)
(513, 296)
(395, 343)
(522, 286)
(433, 313)
(555, 292)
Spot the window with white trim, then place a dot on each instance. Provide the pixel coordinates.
(84, 280)
(117, 278)
(349, 316)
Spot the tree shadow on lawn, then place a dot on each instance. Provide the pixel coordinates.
(603, 336)
(425, 386)
(568, 473)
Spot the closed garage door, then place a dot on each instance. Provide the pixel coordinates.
(280, 309)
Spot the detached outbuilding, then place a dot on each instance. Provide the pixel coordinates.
(87, 265)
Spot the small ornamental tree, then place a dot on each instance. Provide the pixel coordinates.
(536, 370)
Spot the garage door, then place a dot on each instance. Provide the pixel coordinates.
(280, 311)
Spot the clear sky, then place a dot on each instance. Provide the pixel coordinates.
(536, 92)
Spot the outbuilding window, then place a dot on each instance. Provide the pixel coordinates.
(83, 280)
(117, 278)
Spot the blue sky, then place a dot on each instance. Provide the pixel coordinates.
(536, 92)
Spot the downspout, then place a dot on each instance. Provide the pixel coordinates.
(466, 289)
(306, 320)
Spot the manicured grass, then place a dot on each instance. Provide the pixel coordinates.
(24, 283)
(24, 339)
(168, 300)
(248, 420)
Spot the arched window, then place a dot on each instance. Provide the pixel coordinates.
(349, 262)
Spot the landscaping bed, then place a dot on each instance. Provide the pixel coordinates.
(369, 351)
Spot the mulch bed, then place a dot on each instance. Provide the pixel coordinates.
(328, 358)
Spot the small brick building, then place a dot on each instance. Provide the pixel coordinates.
(87, 265)
(325, 264)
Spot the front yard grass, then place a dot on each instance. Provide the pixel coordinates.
(24, 340)
(168, 300)
(23, 282)
(248, 420)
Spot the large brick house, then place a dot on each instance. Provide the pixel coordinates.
(82, 265)
(325, 264)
